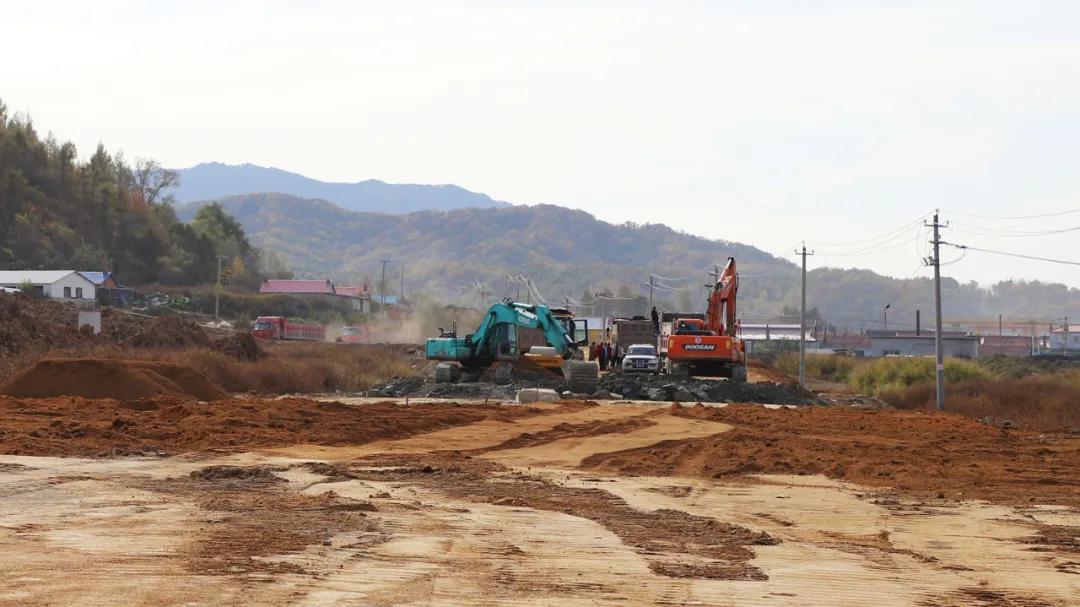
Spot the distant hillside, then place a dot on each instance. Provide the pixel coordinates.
(571, 253)
(213, 180)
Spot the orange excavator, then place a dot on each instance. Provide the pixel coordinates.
(710, 347)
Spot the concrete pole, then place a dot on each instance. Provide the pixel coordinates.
(651, 286)
(802, 321)
(938, 352)
(217, 290)
(382, 284)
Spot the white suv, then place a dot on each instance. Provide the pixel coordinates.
(641, 358)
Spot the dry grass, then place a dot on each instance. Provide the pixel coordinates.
(826, 368)
(1049, 403)
(287, 369)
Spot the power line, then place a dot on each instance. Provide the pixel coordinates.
(659, 277)
(1001, 217)
(995, 233)
(1020, 255)
(906, 226)
(875, 248)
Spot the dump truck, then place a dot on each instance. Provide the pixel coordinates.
(279, 327)
(631, 331)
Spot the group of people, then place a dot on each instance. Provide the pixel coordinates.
(606, 354)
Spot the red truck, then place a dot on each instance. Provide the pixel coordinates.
(279, 327)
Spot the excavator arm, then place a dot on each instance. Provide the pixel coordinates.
(720, 315)
(522, 315)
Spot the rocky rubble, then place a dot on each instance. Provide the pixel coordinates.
(614, 385)
(644, 386)
(418, 387)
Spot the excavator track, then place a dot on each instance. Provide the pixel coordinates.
(581, 376)
(446, 373)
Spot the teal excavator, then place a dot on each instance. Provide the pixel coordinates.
(495, 340)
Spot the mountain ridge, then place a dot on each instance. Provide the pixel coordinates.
(457, 255)
(214, 180)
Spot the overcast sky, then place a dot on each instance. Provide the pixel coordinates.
(760, 122)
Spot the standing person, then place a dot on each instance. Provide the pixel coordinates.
(619, 353)
(593, 352)
(655, 321)
(603, 355)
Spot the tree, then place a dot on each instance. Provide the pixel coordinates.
(151, 180)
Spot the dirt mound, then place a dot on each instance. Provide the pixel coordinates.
(26, 322)
(135, 331)
(121, 380)
(582, 430)
(237, 474)
(945, 455)
(241, 346)
(77, 426)
(31, 324)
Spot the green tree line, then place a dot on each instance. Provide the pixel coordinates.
(107, 214)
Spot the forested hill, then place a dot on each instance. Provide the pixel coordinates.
(57, 212)
(463, 253)
(214, 180)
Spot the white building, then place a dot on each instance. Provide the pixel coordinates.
(1064, 339)
(56, 284)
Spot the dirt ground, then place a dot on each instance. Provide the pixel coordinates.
(297, 502)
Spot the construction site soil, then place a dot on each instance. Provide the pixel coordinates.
(666, 538)
(939, 454)
(28, 323)
(117, 379)
(163, 425)
(295, 501)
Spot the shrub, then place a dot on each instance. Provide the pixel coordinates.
(818, 366)
(1040, 402)
(893, 374)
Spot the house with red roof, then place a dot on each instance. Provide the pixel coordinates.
(357, 299)
(298, 287)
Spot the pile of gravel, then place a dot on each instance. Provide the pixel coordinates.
(644, 386)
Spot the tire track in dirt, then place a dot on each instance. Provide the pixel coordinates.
(676, 544)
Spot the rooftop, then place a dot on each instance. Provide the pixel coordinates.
(360, 291)
(38, 277)
(298, 287)
(97, 278)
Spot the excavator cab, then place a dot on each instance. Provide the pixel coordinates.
(692, 326)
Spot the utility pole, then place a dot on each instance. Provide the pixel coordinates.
(401, 296)
(938, 353)
(885, 317)
(603, 316)
(1000, 326)
(382, 283)
(652, 285)
(802, 319)
(217, 289)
